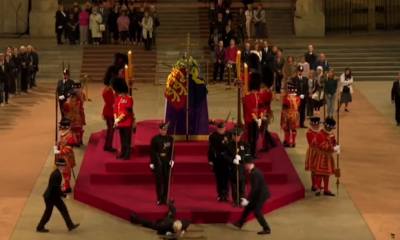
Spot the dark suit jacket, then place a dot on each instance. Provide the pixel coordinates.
(296, 82)
(60, 20)
(395, 95)
(245, 55)
(267, 58)
(4, 73)
(64, 88)
(35, 61)
(53, 190)
(259, 191)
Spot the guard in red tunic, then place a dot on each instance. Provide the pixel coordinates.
(73, 109)
(324, 164)
(108, 108)
(64, 149)
(265, 96)
(123, 116)
(312, 149)
(290, 116)
(252, 117)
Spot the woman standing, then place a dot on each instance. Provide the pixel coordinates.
(241, 23)
(249, 21)
(312, 87)
(318, 95)
(94, 26)
(305, 65)
(112, 21)
(257, 51)
(228, 34)
(278, 66)
(83, 21)
(330, 93)
(259, 23)
(140, 28)
(346, 80)
(123, 26)
(147, 32)
(289, 70)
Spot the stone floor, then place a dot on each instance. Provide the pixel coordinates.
(366, 207)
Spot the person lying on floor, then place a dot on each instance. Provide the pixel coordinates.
(169, 226)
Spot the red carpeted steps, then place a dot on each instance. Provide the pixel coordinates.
(120, 187)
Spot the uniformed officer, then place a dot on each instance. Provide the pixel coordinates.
(217, 143)
(259, 193)
(52, 197)
(168, 226)
(64, 85)
(236, 150)
(161, 160)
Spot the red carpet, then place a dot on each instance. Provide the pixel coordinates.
(121, 187)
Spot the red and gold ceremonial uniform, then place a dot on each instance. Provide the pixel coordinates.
(108, 115)
(252, 116)
(311, 154)
(290, 119)
(65, 145)
(123, 115)
(73, 109)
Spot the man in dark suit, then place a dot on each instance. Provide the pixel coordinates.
(4, 80)
(311, 58)
(301, 84)
(64, 85)
(267, 65)
(246, 53)
(104, 12)
(259, 193)
(61, 19)
(396, 99)
(52, 197)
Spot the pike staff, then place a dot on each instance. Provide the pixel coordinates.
(237, 170)
(337, 170)
(56, 124)
(172, 156)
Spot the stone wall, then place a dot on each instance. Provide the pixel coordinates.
(42, 18)
(10, 21)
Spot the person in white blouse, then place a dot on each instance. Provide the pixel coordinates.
(249, 21)
(147, 30)
(257, 51)
(346, 80)
(305, 65)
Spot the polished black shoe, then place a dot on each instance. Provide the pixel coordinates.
(329, 193)
(68, 190)
(317, 193)
(119, 156)
(159, 202)
(219, 199)
(110, 150)
(164, 200)
(234, 205)
(126, 158)
(73, 227)
(132, 218)
(314, 188)
(42, 230)
(237, 225)
(265, 231)
(171, 201)
(77, 145)
(302, 126)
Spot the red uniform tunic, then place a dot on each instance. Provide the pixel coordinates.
(290, 119)
(108, 98)
(265, 99)
(123, 110)
(251, 108)
(324, 163)
(65, 146)
(311, 150)
(73, 109)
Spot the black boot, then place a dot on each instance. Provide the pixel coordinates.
(329, 193)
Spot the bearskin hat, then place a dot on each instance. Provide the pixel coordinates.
(253, 61)
(120, 60)
(112, 71)
(255, 81)
(119, 85)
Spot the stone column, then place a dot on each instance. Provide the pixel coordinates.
(42, 18)
(371, 15)
(309, 19)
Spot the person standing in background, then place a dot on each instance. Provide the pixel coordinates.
(33, 66)
(71, 27)
(123, 26)
(330, 93)
(75, 12)
(301, 84)
(12, 83)
(132, 14)
(346, 80)
(259, 23)
(112, 24)
(241, 24)
(219, 63)
(16, 60)
(94, 26)
(305, 65)
(61, 18)
(279, 62)
(311, 58)
(156, 23)
(104, 12)
(4, 73)
(395, 96)
(249, 22)
(147, 30)
(25, 63)
(83, 18)
(212, 17)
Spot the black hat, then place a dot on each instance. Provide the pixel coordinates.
(112, 71)
(255, 81)
(77, 85)
(72, 92)
(291, 87)
(64, 122)
(300, 68)
(120, 60)
(253, 62)
(315, 120)
(248, 158)
(60, 162)
(236, 131)
(119, 85)
(330, 123)
(65, 71)
(220, 124)
(163, 126)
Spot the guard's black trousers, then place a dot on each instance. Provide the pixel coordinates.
(302, 111)
(158, 225)
(221, 173)
(256, 209)
(162, 178)
(110, 132)
(234, 188)
(61, 106)
(252, 136)
(125, 135)
(62, 208)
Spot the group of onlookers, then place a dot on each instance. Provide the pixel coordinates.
(107, 22)
(18, 68)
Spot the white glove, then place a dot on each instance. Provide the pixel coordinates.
(171, 163)
(56, 151)
(301, 96)
(116, 121)
(152, 166)
(338, 151)
(238, 157)
(61, 97)
(183, 232)
(244, 202)
(265, 118)
(336, 148)
(258, 122)
(236, 161)
(168, 233)
(211, 163)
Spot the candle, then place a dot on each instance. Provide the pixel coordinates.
(238, 63)
(127, 74)
(246, 76)
(130, 64)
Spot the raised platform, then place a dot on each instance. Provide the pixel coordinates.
(121, 187)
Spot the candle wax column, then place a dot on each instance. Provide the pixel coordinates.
(238, 63)
(127, 74)
(246, 79)
(129, 64)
